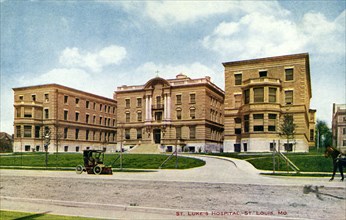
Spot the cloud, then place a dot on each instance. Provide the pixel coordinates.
(149, 70)
(258, 35)
(111, 55)
(167, 13)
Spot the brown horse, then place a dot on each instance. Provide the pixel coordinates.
(338, 161)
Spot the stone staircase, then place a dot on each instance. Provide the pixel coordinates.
(146, 149)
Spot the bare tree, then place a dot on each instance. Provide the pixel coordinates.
(288, 128)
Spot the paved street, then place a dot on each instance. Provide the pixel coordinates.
(221, 189)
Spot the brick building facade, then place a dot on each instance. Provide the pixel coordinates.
(339, 126)
(258, 93)
(76, 120)
(182, 112)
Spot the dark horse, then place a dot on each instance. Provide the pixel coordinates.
(338, 161)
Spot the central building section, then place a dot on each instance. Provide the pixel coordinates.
(165, 114)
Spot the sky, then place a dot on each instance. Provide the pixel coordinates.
(96, 46)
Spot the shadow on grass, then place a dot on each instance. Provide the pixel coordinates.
(33, 216)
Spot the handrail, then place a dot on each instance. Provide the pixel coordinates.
(291, 164)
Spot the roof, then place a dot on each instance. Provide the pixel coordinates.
(62, 87)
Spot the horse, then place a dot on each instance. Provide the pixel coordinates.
(338, 161)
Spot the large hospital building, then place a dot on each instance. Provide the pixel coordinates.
(190, 115)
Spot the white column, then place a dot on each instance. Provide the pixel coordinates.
(168, 107)
(150, 104)
(147, 108)
(165, 107)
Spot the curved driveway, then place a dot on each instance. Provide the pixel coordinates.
(216, 170)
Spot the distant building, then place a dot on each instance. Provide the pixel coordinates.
(6, 142)
(258, 93)
(339, 126)
(76, 120)
(164, 113)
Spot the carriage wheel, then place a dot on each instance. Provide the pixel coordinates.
(97, 170)
(79, 169)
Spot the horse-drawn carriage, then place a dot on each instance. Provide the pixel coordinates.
(339, 160)
(93, 163)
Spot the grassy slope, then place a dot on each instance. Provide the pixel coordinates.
(7, 215)
(134, 161)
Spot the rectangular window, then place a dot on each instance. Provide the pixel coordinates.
(37, 131)
(65, 133)
(87, 116)
(238, 79)
(27, 147)
(33, 97)
(178, 97)
(77, 134)
(100, 120)
(289, 74)
(246, 96)
(178, 114)
(127, 103)
(272, 95)
(312, 134)
(94, 119)
(192, 113)
(127, 134)
(66, 148)
(65, 115)
(139, 133)
(263, 73)
(258, 128)
(27, 112)
(18, 131)
(77, 149)
(139, 102)
(101, 107)
(258, 116)
(77, 116)
(272, 122)
(192, 132)
(139, 116)
(289, 97)
(65, 99)
(178, 132)
(127, 117)
(94, 107)
(258, 95)
(237, 120)
(237, 130)
(271, 128)
(87, 135)
(46, 97)
(158, 100)
(46, 113)
(344, 143)
(192, 98)
(343, 130)
(87, 104)
(27, 131)
(288, 147)
(246, 123)
(21, 98)
(77, 101)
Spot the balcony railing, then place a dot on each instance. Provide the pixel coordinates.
(260, 81)
(157, 107)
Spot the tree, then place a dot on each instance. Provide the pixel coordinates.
(323, 134)
(288, 129)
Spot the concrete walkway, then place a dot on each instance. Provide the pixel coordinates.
(216, 170)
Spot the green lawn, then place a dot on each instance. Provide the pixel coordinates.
(314, 161)
(130, 161)
(7, 215)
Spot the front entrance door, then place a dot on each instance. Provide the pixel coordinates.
(157, 136)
